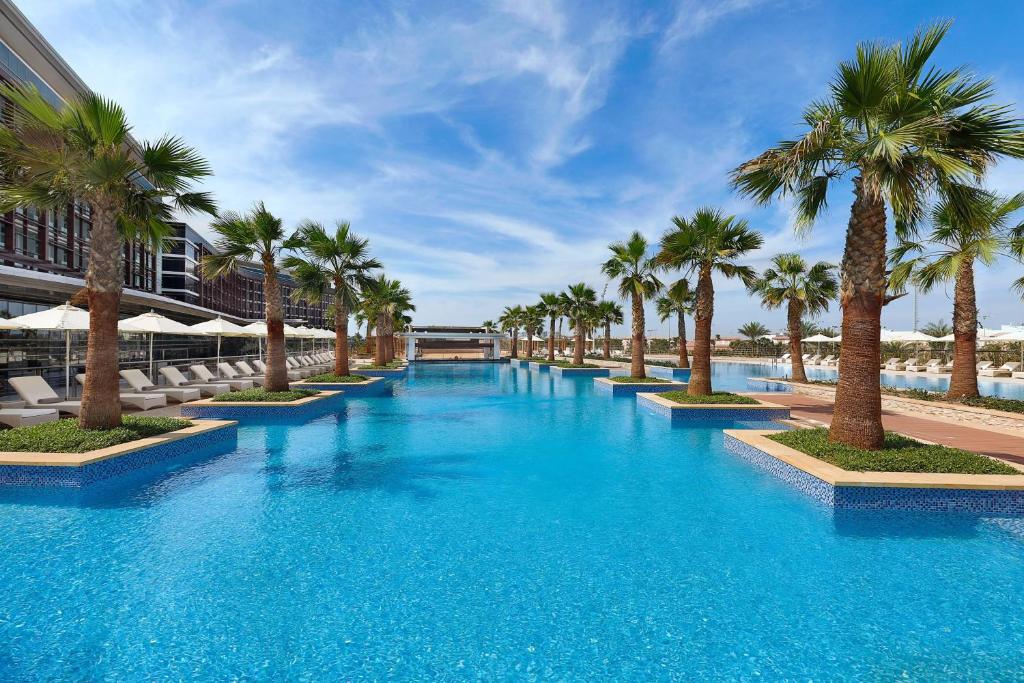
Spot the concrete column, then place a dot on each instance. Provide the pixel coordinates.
(497, 348)
(410, 348)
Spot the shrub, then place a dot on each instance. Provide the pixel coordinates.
(639, 380)
(716, 398)
(331, 378)
(261, 395)
(65, 436)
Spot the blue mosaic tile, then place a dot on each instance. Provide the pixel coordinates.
(540, 367)
(262, 413)
(761, 384)
(670, 373)
(379, 388)
(694, 413)
(399, 373)
(199, 445)
(619, 389)
(580, 372)
(881, 497)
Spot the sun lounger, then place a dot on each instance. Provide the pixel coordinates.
(36, 393)
(139, 383)
(827, 360)
(784, 358)
(813, 360)
(176, 379)
(309, 362)
(296, 366)
(230, 373)
(26, 417)
(293, 375)
(1005, 370)
(941, 367)
(918, 367)
(130, 400)
(203, 374)
(245, 370)
(894, 364)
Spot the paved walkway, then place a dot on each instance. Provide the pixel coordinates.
(995, 444)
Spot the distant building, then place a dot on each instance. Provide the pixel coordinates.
(442, 342)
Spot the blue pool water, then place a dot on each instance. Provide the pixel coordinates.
(487, 522)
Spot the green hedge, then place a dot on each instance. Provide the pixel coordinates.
(716, 398)
(261, 395)
(65, 436)
(331, 378)
(639, 380)
(899, 454)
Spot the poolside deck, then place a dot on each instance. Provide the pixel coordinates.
(997, 444)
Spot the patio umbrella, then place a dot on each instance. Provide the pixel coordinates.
(9, 324)
(153, 323)
(1013, 336)
(222, 328)
(818, 339)
(66, 318)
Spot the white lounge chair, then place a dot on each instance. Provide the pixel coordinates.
(296, 366)
(203, 374)
(1005, 370)
(941, 367)
(784, 358)
(139, 383)
(176, 379)
(894, 364)
(293, 375)
(918, 367)
(230, 373)
(827, 360)
(36, 393)
(245, 370)
(983, 365)
(130, 400)
(26, 417)
(813, 360)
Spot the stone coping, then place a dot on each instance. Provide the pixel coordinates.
(838, 477)
(608, 384)
(322, 396)
(760, 405)
(580, 372)
(27, 458)
(320, 386)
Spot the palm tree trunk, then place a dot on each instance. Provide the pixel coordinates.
(389, 339)
(379, 354)
(964, 381)
(857, 415)
(101, 403)
(793, 316)
(561, 339)
(341, 365)
(529, 345)
(277, 369)
(607, 341)
(684, 359)
(577, 347)
(551, 340)
(636, 364)
(700, 375)
(369, 339)
(515, 344)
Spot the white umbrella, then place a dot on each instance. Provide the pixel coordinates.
(66, 318)
(9, 324)
(1013, 336)
(908, 336)
(257, 329)
(819, 338)
(153, 323)
(222, 328)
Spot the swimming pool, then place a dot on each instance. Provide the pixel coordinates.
(496, 523)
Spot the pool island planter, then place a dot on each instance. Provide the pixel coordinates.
(845, 489)
(559, 371)
(540, 366)
(74, 470)
(246, 411)
(605, 385)
(388, 373)
(682, 374)
(372, 386)
(678, 412)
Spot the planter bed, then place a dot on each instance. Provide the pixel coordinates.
(840, 488)
(254, 411)
(359, 385)
(40, 468)
(760, 411)
(682, 374)
(541, 365)
(391, 373)
(564, 371)
(620, 386)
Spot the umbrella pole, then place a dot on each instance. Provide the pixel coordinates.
(150, 356)
(218, 355)
(67, 365)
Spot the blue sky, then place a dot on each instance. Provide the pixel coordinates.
(491, 151)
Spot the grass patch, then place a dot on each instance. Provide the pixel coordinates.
(570, 364)
(639, 380)
(393, 365)
(899, 454)
(261, 395)
(65, 436)
(331, 378)
(716, 398)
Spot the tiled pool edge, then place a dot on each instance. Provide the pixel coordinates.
(374, 386)
(676, 412)
(868, 490)
(579, 372)
(304, 408)
(74, 470)
(606, 385)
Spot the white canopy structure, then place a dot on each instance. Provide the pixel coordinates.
(66, 318)
(9, 324)
(820, 338)
(221, 328)
(153, 323)
(909, 336)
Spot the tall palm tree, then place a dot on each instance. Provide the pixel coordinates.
(85, 152)
(939, 328)
(900, 128)
(337, 264)
(255, 236)
(551, 304)
(609, 313)
(533, 325)
(511, 319)
(488, 326)
(708, 243)
(678, 301)
(753, 331)
(969, 226)
(636, 273)
(578, 302)
(803, 290)
(385, 301)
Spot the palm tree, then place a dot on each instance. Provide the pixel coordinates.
(609, 313)
(939, 328)
(488, 326)
(900, 128)
(803, 290)
(85, 152)
(385, 301)
(551, 304)
(753, 331)
(635, 271)
(708, 243)
(255, 236)
(968, 226)
(578, 302)
(533, 324)
(679, 300)
(511, 319)
(336, 264)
